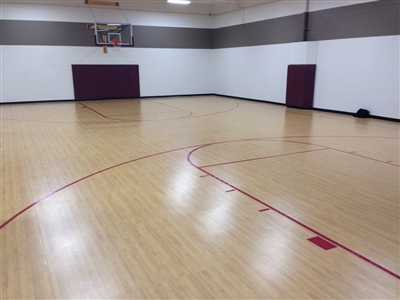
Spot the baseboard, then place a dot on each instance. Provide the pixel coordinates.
(352, 113)
(211, 94)
(170, 96)
(318, 109)
(37, 101)
(249, 99)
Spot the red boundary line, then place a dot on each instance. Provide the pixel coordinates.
(83, 178)
(264, 157)
(125, 120)
(99, 113)
(228, 184)
(289, 217)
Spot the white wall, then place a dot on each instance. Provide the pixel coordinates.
(36, 73)
(264, 12)
(278, 9)
(259, 72)
(45, 71)
(99, 14)
(252, 72)
(351, 73)
(359, 73)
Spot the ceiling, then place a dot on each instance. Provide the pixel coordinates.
(201, 7)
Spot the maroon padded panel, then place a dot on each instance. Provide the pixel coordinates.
(105, 81)
(300, 86)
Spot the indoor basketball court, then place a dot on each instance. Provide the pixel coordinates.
(190, 197)
(136, 188)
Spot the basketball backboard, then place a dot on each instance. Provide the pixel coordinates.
(106, 34)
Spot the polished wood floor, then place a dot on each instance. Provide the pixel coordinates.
(197, 198)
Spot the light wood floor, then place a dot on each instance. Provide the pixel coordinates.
(196, 197)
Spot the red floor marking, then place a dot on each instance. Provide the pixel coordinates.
(129, 120)
(210, 114)
(111, 117)
(228, 191)
(178, 108)
(197, 147)
(99, 113)
(204, 175)
(367, 260)
(264, 157)
(83, 178)
(366, 157)
(265, 209)
(320, 242)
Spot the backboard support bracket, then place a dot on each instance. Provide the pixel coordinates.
(102, 3)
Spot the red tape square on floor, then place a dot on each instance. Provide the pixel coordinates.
(320, 242)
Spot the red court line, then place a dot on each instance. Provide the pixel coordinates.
(390, 162)
(320, 242)
(178, 108)
(220, 112)
(117, 119)
(260, 158)
(100, 114)
(345, 152)
(128, 120)
(209, 114)
(289, 217)
(323, 147)
(200, 146)
(197, 147)
(149, 113)
(265, 209)
(83, 178)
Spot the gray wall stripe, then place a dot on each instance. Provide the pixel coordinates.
(273, 31)
(379, 18)
(362, 20)
(168, 37)
(14, 32)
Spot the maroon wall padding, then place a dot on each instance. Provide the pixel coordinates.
(106, 81)
(300, 86)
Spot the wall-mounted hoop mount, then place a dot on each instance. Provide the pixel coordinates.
(112, 34)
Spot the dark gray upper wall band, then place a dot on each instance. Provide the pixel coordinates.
(40, 33)
(361, 20)
(267, 32)
(168, 37)
(380, 18)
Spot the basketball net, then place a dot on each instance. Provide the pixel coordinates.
(116, 43)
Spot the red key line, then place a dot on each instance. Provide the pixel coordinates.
(369, 261)
(197, 147)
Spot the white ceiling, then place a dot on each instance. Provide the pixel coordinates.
(202, 7)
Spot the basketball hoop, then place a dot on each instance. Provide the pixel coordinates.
(116, 43)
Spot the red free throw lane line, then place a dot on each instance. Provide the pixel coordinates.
(100, 114)
(209, 114)
(219, 179)
(290, 218)
(128, 120)
(199, 146)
